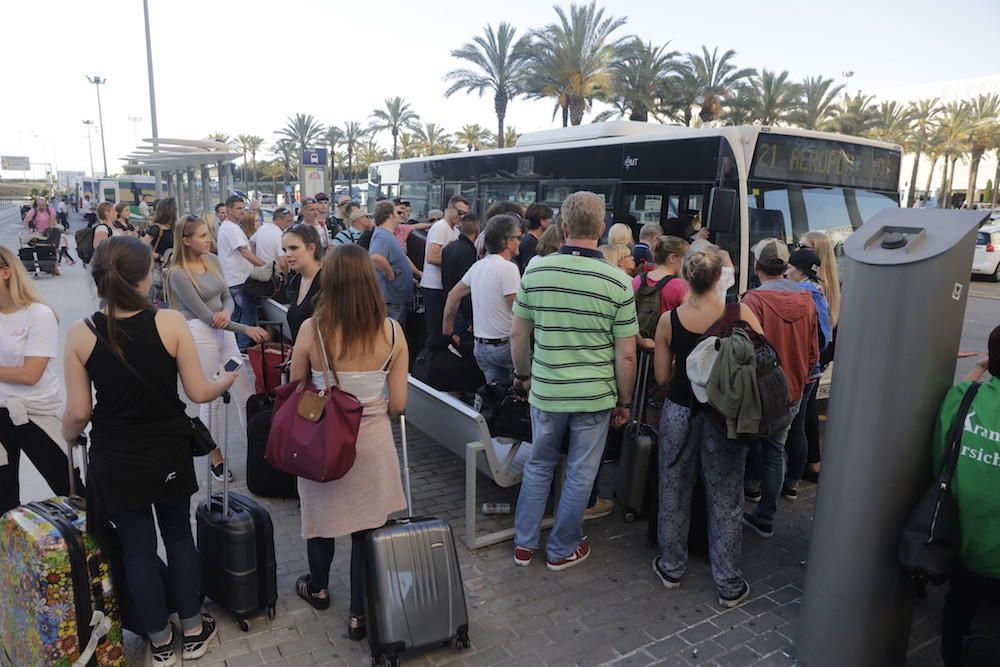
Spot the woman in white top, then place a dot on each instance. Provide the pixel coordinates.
(196, 287)
(107, 223)
(368, 353)
(30, 389)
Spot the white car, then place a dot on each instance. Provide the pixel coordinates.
(986, 261)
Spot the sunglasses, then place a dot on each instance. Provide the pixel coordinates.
(462, 213)
(804, 245)
(310, 200)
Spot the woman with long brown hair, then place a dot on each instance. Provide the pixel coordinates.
(367, 353)
(140, 447)
(123, 220)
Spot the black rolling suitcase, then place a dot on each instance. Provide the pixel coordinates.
(637, 462)
(263, 479)
(236, 548)
(414, 595)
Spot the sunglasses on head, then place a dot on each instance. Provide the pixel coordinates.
(310, 200)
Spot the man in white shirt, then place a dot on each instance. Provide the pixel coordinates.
(310, 216)
(237, 262)
(441, 233)
(266, 241)
(493, 282)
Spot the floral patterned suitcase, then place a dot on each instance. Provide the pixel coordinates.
(54, 584)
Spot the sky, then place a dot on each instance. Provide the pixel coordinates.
(244, 66)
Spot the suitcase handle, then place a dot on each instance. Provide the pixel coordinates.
(406, 466)
(226, 398)
(81, 441)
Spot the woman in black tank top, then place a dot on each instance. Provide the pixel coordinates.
(140, 452)
(692, 440)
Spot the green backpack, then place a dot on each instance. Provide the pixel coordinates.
(647, 304)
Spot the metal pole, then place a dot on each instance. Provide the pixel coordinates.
(152, 89)
(206, 201)
(191, 193)
(90, 146)
(97, 81)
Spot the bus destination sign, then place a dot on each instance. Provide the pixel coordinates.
(822, 162)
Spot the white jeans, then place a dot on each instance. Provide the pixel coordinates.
(215, 346)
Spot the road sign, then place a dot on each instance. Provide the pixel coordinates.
(314, 157)
(16, 162)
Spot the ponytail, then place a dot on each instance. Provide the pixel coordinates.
(119, 264)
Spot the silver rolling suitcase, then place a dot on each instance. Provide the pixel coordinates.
(414, 596)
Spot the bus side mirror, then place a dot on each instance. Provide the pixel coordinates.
(722, 211)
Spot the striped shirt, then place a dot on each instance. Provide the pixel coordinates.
(579, 305)
(349, 235)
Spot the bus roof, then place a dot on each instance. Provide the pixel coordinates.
(627, 132)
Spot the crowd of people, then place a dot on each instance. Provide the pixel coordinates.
(557, 306)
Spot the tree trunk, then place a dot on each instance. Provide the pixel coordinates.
(996, 183)
(350, 172)
(970, 192)
(577, 105)
(930, 177)
(246, 186)
(395, 151)
(253, 161)
(639, 113)
(944, 184)
(500, 106)
(911, 195)
(688, 117)
(565, 115)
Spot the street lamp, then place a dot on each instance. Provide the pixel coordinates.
(847, 80)
(90, 146)
(135, 128)
(97, 81)
(152, 93)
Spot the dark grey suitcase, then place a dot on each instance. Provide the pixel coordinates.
(414, 595)
(638, 442)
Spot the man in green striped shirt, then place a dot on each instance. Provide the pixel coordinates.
(581, 312)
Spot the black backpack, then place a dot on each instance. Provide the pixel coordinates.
(85, 243)
(647, 304)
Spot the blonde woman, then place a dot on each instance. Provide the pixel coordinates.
(820, 243)
(30, 389)
(251, 223)
(549, 242)
(196, 287)
(619, 255)
(621, 234)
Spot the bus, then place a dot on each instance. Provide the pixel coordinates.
(745, 182)
(129, 189)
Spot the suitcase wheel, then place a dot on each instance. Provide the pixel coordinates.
(462, 642)
(271, 613)
(244, 625)
(629, 516)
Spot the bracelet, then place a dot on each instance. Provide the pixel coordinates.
(627, 406)
(522, 378)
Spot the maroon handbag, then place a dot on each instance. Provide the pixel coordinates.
(314, 433)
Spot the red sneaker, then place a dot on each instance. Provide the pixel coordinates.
(523, 556)
(581, 554)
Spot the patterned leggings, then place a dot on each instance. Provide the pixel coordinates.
(689, 443)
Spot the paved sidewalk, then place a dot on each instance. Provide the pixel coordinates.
(608, 611)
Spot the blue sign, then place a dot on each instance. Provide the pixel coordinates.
(314, 157)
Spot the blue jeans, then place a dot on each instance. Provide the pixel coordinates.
(244, 312)
(797, 444)
(397, 311)
(495, 361)
(588, 432)
(433, 311)
(769, 455)
(137, 535)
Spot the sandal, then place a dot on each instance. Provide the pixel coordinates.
(356, 628)
(318, 600)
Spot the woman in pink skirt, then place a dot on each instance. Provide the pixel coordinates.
(368, 355)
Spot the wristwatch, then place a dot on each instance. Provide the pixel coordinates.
(522, 378)
(627, 406)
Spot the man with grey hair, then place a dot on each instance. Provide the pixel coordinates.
(572, 302)
(493, 283)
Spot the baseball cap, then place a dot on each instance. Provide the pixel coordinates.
(435, 214)
(343, 199)
(807, 261)
(400, 201)
(278, 212)
(322, 197)
(357, 215)
(771, 253)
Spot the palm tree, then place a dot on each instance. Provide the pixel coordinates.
(302, 130)
(742, 105)
(817, 103)
(409, 145)
(433, 139)
(370, 153)
(285, 150)
(221, 137)
(639, 74)
(772, 97)
(891, 123)
(499, 67)
(353, 134)
(396, 116)
(923, 114)
(510, 136)
(983, 114)
(932, 149)
(243, 140)
(717, 76)
(855, 117)
(571, 60)
(678, 95)
(955, 127)
(332, 138)
(254, 144)
(473, 137)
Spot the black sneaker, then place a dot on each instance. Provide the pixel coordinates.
(738, 599)
(197, 646)
(318, 599)
(164, 656)
(217, 471)
(758, 525)
(753, 495)
(789, 493)
(665, 579)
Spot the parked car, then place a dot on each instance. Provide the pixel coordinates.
(986, 261)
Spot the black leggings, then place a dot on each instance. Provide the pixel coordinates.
(813, 454)
(47, 456)
(967, 593)
(320, 553)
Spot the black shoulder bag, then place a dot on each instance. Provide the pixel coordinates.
(200, 437)
(931, 542)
